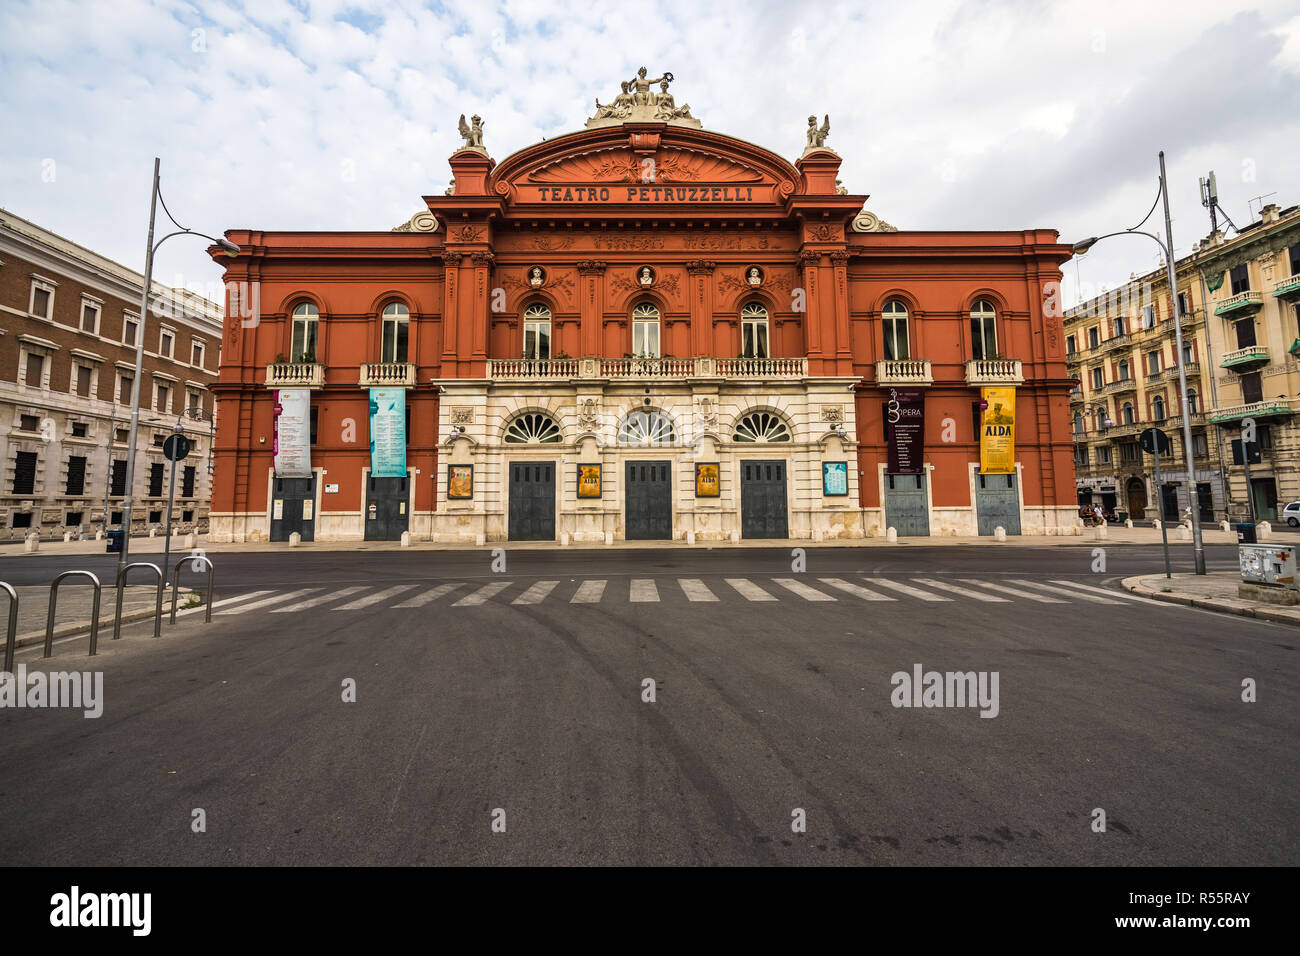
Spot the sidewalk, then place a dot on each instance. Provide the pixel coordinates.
(72, 616)
(1087, 537)
(1216, 591)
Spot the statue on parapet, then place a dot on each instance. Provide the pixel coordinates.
(621, 107)
(641, 86)
(817, 137)
(473, 135)
(666, 108)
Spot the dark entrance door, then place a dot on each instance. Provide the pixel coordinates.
(386, 512)
(532, 501)
(293, 508)
(906, 508)
(1169, 502)
(1136, 493)
(1205, 501)
(997, 504)
(762, 500)
(649, 501)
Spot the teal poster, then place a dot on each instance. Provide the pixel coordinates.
(388, 433)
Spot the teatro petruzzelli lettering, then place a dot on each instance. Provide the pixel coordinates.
(650, 194)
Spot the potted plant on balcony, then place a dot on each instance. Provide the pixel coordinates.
(280, 359)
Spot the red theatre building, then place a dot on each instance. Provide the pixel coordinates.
(642, 330)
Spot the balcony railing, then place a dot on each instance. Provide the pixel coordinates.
(1243, 303)
(1250, 355)
(1269, 409)
(1287, 287)
(387, 374)
(646, 368)
(904, 372)
(1123, 385)
(295, 375)
(994, 372)
(1117, 341)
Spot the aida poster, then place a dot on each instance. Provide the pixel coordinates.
(998, 431)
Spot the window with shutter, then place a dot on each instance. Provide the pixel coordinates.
(76, 475)
(118, 482)
(24, 473)
(187, 482)
(155, 479)
(35, 369)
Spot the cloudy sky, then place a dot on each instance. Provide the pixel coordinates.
(294, 114)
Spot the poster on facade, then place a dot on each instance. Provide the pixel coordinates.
(388, 433)
(706, 480)
(998, 431)
(588, 481)
(835, 478)
(905, 428)
(460, 481)
(291, 433)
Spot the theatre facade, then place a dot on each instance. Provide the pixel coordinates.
(642, 330)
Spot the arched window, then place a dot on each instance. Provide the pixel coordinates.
(1191, 401)
(1123, 370)
(1099, 418)
(1126, 413)
(396, 324)
(894, 320)
(645, 330)
(1078, 423)
(303, 346)
(761, 427)
(533, 428)
(984, 330)
(647, 427)
(537, 332)
(1157, 409)
(753, 331)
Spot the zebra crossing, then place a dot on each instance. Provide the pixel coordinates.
(638, 591)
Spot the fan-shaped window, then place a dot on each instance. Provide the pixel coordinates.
(761, 427)
(645, 330)
(753, 331)
(984, 330)
(894, 319)
(537, 332)
(396, 324)
(647, 427)
(533, 428)
(303, 347)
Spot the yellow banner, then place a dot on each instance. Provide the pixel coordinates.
(998, 431)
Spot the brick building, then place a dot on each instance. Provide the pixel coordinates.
(68, 322)
(641, 330)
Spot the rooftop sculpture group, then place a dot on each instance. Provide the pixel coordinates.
(636, 103)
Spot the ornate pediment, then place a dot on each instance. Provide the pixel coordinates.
(638, 102)
(622, 165)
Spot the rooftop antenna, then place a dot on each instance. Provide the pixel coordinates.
(1210, 200)
(1257, 199)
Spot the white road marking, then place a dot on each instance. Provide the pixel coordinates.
(1068, 593)
(803, 590)
(696, 590)
(907, 589)
(278, 599)
(1109, 593)
(1042, 598)
(370, 599)
(643, 591)
(589, 592)
(749, 590)
(426, 597)
(313, 602)
(964, 592)
(482, 594)
(230, 600)
(856, 590)
(537, 593)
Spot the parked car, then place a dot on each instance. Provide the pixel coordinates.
(1291, 514)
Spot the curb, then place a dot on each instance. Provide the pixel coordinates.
(105, 625)
(1205, 604)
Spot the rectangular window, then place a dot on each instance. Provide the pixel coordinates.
(1148, 316)
(24, 473)
(163, 401)
(76, 475)
(1103, 454)
(537, 338)
(1240, 278)
(897, 345)
(83, 381)
(315, 421)
(79, 429)
(1264, 436)
(89, 318)
(983, 333)
(303, 346)
(645, 337)
(1245, 330)
(121, 435)
(1128, 452)
(125, 383)
(1081, 455)
(187, 483)
(1070, 344)
(118, 481)
(35, 370)
(196, 354)
(29, 423)
(1184, 304)
(155, 479)
(1096, 378)
(395, 331)
(1119, 326)
(1252, 388)
(1153, 363)
(73, 519)
(41, 300)
(22, 519)
(753, 333)
(1093, 338)
(1200, 447)
(166, 342)
(155, 517)
(130, 328)
(158, 440)
(1295, 259)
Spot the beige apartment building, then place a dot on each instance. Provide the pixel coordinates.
(69, 323)
(1253, 283)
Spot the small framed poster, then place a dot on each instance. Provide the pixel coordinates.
(706, 480)
(589, 481)
(460, 481)
(835, 478)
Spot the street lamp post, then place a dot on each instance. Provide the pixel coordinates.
(1167, 246)
(152, 248)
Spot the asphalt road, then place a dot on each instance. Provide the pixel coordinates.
(523, 691)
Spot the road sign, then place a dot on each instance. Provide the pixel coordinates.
(176, 447)
(1152, 439)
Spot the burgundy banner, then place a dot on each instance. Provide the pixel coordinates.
(905, 426)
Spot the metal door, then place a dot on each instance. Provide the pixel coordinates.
(293, 508)
(906, 509)
(532, 501)
(386, 508)
(762, 500)
(997, 503)
(1169, 502)
(649, 501)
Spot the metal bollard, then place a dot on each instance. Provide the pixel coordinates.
(54, 600)
(176, 578)
(121, 586)
(13, 627)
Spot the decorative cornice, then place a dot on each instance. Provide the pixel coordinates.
(700, 266)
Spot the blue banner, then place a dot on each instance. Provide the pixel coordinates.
(388, 433)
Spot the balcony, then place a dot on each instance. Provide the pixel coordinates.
(1288, 288)
(904, 372)
(1118, 341)
(994, 372)
(387, 375)
(1123, 385)
(1116, 432)
(629, 369)
(1240, 305)
(1267, 409)
(1250, 356)
(295, 375)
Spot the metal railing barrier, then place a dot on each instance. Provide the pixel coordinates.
(54, 600)
(13, 627)
(176, 579)
(121, 588)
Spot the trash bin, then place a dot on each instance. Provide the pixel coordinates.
(1246, 533)
(114, 537)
